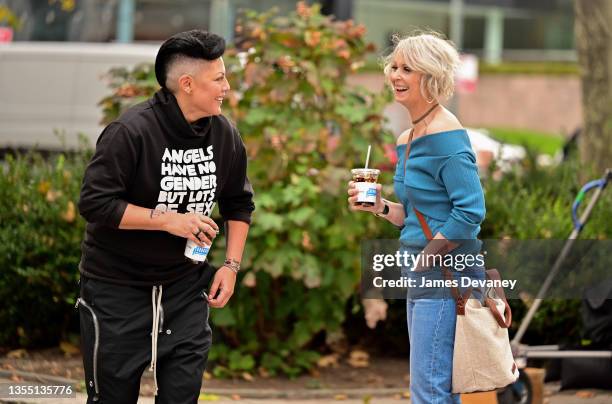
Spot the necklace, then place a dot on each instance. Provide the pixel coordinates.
(419, 119)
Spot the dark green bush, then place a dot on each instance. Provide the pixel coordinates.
(304, 127)
(535, 203)
(40, 242)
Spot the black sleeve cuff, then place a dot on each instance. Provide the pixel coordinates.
(243, 216)
(115, 218)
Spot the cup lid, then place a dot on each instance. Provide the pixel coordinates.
(365, 171)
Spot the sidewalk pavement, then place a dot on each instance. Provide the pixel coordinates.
(565, 397)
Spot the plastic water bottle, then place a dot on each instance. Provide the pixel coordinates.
(196, 253)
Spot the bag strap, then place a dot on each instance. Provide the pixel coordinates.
(424, 225)
(408, 145)
(506, 320)
(459, 299)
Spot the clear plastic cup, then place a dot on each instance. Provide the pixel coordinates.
(365, 182)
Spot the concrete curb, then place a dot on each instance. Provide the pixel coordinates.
(307, 394)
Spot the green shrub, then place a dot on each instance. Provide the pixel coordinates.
(39, 246)
(535, 203)
(540, 142)
(541, 68)
(128, 88)
(304, 128)
(508, 68)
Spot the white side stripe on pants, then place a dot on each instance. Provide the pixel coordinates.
(156, 297)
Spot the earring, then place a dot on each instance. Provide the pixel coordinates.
(422, 88)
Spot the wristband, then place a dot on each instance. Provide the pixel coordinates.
(232, 264)
(384, 212)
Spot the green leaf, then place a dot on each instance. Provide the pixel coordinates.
(351, 112)
(223, 317)
(300, 215)
(269, 221)
(265, 200)
(256, 116)
(238, 361)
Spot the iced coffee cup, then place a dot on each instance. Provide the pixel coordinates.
(365, 183)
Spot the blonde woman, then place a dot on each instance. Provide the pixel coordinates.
(436, 177)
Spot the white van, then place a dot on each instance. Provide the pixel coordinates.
(56, 86)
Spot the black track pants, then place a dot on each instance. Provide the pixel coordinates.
(116, 325)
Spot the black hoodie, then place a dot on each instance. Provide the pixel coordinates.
(152, 157)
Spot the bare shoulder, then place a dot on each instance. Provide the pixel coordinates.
(403, 138)
(443, 122)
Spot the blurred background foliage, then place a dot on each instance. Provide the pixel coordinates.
(305, 128)
(536, 141)
(551, 68)
(533, 202)
(9, 18)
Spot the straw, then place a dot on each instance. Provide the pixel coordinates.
(368, 156)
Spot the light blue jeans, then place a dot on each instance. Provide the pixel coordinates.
(431, 328)
(431, 316)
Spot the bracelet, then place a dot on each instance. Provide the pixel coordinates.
(384, 212)
(232, 264)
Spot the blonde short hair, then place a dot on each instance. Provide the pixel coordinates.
(433, 56)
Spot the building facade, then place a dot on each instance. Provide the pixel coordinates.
(495, 30)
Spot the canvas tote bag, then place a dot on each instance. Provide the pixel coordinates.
(482, 356)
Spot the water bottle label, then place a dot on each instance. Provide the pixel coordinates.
(195, 252)
(200, 251)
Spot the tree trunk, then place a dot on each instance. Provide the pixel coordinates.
(593, 29)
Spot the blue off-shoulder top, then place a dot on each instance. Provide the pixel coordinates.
(442, 182)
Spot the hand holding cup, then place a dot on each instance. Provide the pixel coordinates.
(364, 193)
